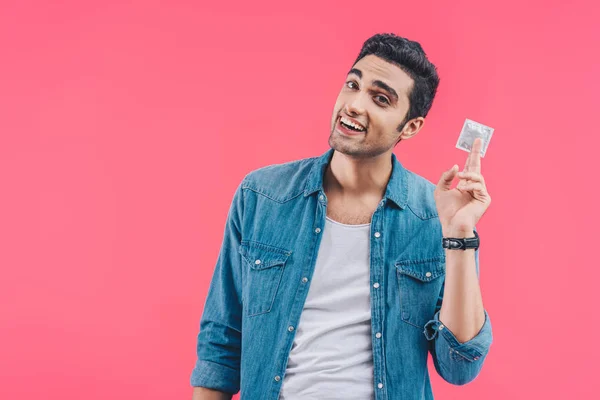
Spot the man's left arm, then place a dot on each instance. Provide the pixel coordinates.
(460, 332)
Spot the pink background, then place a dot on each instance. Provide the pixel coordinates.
(125, 129)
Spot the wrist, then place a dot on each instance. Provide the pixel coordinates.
(458, 232)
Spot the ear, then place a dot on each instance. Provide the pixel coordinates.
(412, 127)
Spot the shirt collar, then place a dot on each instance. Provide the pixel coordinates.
(396, 190)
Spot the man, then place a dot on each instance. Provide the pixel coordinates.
(332, 281)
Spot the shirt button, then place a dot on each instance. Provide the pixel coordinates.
(428, 274)
(378, 335)
(321, 197)
(304, 280)
(290, 328)
(377, 234)
(380, 385)
(441, 327)
(476, 358)
(376, 285)
(257, 262)
(318, 230)
(277, 378)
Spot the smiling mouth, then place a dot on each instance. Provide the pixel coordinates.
(348, 129)
(348, 123)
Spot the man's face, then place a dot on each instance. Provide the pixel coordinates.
(375, 96)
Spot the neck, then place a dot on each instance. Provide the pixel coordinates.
(359, 177)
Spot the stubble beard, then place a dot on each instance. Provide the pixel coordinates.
(355, 150)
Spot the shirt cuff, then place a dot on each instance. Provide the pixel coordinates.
(471, 350)
(215, 376)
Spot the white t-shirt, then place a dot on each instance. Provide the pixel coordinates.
(331, 357)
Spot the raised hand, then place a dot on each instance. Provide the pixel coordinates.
(459, 209)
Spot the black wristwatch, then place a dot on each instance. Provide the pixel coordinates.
(461, 243)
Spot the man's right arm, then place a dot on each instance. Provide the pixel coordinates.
(201, 393)
(217, 371)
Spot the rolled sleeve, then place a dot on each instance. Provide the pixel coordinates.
(215, 376)
(458, 363)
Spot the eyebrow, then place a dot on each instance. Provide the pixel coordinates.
(376, 82)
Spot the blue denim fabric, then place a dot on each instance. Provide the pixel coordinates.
(264, 270)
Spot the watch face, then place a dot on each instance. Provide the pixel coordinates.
(455, 244)
(452, 244)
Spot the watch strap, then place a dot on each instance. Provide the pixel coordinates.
(461, 243)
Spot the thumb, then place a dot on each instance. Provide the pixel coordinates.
(447, 177)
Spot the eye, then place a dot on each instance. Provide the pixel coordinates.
(350, 83)
(385, 100)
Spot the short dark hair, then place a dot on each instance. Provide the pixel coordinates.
(410, 57)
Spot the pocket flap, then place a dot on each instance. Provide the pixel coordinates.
(261, 256)
(423, 270)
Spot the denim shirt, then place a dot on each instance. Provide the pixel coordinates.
(264, 270)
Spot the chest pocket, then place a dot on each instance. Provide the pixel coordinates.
(265, 266)
(419, 285)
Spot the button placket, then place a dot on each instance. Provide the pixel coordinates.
(319, 219)
(377, 272)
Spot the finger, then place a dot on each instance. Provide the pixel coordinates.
(467, 163)
(475, 156)
(471, 187)
(447, 178)
(471, 176)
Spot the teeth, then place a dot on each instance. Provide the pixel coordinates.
(352, 124)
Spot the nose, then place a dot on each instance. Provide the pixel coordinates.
(354, 105)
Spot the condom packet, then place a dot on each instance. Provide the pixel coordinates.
(472, 130)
